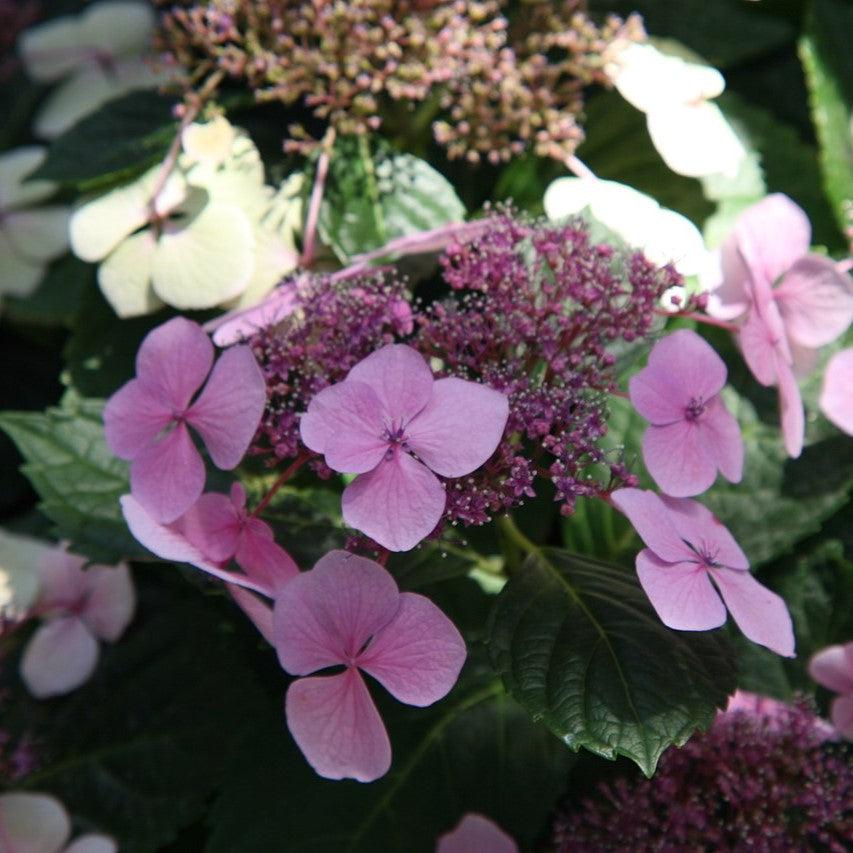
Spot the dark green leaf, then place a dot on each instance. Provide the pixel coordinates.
(476, 750)
(375, 195)
(125, 136)
(138, 750)
(76, 476)
(578, 645)
(57, 301)
(826, 57)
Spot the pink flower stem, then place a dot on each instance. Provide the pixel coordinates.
(196, 101)
(285, 475)
(382, 556)
(699, 318)
(579, 168)
(316, 201)
(844, 266)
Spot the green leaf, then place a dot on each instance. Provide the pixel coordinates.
(125, 136)
(780, 501)
(578, 645)
(76, 476)
(138, 750)
(476, 750)
(373, 196)
(828, 66)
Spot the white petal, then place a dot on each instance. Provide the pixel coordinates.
(19, 556)
(92, 843)
(15, 165)
(275, 257)
(52, 50)
(210, 142)
(41, 234)
(205, 262)
(32, 823)
(125, 276)
(118, 27)
(98, 226)
(695, 140)
(673, 238)
(567, 196)
(19, 276)
(59, 657)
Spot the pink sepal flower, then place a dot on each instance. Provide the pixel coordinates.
(388, 411)
(78, 608)
(210, 536)
(147, 420)
(794, 301)
(689, 553)
(836, 398)
(39, 823)
(348, 611)
(692, 434)
(476, 834)
(832, 668)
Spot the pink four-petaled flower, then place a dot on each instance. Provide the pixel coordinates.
(146, 421)
(692, 434)
(794, 301)
(388, 409)
(832, 667)
(688, 553)
(476, 834)
(836, 397)
(78, 608)
(348, 611)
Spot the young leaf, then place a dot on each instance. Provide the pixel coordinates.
(76, 476)
(578, 645)
(373, 196)
(125, 136)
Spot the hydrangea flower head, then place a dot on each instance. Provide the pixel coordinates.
(476, 834)
(39, 823)
(147, 420)
(692, 434)
(387, 410)
(836, 398)
(832, 668)
(348, 611)
(29, 238)
(78, 608)
(689, 553)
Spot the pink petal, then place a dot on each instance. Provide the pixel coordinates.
(61, 580)
(681, 593)
(344, 423)
(230, 408)
(418, 656)
(259, 612)
(459, 428)
(236, 326)
(336, 725)
(59, 657)
(677, 458)
(167, 478)
(832, 667)
(696, 524)
(836, 397)
(32, 823)
(171, 545)
(721, 438)
(213, 525)
(476, 834)
(761, 614)
(111, 601)
(791, 411)
(397, 504)
(173, 361)
(841, 714)
(731, 297)
(650, 517)
(759, 344)
(816, 301)
(772, 235)
(400, 378)
(262, 559)
(324, 616)
(682, 367)
(133, 418)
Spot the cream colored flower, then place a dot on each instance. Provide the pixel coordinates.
(30, 237)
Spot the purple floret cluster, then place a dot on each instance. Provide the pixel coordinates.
(754, 781)
(534, 311)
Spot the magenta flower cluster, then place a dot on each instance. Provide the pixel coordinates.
(759, 779)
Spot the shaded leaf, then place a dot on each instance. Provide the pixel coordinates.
(578, 645)
(58, 299)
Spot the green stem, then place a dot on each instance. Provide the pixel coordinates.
(516, 545)
(372, 186)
